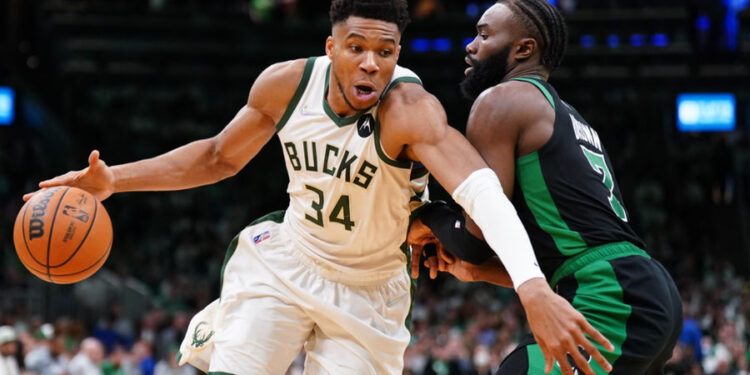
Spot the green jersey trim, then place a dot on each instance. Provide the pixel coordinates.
(338, 120)
(399, 80)
(543, 207)
(608, 251)
(298, 93)
(230, 251)
(378, 146)
(540, 87)
(383, 156)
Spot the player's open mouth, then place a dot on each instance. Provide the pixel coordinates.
(364, 92)
(468, 62)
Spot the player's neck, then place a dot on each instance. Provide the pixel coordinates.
(535, 71)
(338, 103)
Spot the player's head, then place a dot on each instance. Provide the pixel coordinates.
(363, 47)
(514, 35)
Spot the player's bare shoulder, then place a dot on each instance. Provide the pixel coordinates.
(512, 110)
(275, 87)
(511, 102)
(410, 113)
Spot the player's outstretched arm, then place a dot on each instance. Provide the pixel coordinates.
(418, 120)
(201, 162)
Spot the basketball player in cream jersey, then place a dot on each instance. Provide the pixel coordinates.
(329, 273)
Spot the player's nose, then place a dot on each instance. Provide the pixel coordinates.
(368, 64)
(471, 48)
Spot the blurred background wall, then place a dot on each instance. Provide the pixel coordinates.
(135, 78)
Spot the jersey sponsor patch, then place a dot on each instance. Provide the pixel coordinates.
(262, 237)
(365, 125)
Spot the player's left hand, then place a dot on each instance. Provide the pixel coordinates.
(559, 329)
(423, 241)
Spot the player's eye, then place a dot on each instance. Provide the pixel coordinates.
(386, 53)
(355, 48)
(483, 36)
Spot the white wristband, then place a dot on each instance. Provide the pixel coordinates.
(481, 195)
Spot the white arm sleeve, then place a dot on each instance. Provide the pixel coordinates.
(481, 195)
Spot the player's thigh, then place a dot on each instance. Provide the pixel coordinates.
(364, 333)
(259, 335)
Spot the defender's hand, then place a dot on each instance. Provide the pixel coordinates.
(559, 329)
(419, 236)
(98, 179)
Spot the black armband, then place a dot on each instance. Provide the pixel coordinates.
(449, 227)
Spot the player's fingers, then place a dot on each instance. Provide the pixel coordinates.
(592, 350)
(580, 362)
(59, 180)
(442, 266)
(565, 368)
(444, 255)
(415, 252)
(596, 355)
(93, 157)
(433, 266)
(28, 196)
(597, 336)
(549, 360)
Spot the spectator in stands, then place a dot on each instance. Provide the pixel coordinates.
(47, 356)
(8, 349)
(89, 359)
(169, 366)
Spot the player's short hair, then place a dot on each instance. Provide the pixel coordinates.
(545, 24)
(394, 11)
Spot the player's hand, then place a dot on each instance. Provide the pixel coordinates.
(559, 329)
(463, 271)
(98, 179)
(420, 236)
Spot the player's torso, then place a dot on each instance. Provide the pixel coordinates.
(349, 202)
(566, 193)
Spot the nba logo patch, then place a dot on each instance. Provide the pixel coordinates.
(262, 237)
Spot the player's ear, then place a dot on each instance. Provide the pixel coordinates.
(525, 48)
(398, 51)
(329, 47)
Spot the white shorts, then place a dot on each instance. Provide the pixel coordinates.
(274, 300)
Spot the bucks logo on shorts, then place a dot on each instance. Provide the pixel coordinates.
(200, 339)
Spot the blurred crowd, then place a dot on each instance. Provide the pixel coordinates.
(457, 329)
(687, 195)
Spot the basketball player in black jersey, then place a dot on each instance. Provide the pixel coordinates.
(554, 168)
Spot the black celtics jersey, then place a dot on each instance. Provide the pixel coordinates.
(566, 193)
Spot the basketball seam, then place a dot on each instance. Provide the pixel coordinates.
(93, 220)
(102, 259)
(52, 230)
(25, 242)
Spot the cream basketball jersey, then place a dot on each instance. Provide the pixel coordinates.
(349, 201)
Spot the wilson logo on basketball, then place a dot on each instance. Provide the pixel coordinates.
(36, 225)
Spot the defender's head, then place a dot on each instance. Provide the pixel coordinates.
(363, 47)
(514, 35)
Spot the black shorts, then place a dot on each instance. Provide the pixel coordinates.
(632, 301)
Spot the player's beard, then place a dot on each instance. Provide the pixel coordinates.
(485, 73)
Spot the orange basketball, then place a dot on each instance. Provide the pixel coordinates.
(63, 235)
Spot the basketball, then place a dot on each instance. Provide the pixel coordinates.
(63, 235)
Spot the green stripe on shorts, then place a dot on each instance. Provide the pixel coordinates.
(599, 298)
